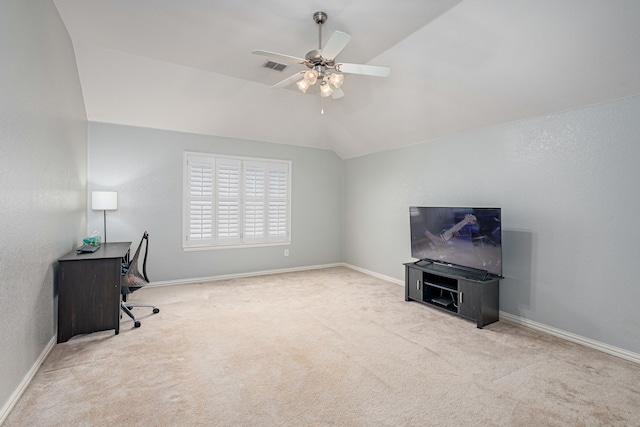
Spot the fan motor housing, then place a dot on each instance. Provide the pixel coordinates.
(314, 58)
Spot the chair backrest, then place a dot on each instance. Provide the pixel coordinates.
(132, 277)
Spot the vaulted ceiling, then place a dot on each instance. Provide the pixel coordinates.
(455, 65)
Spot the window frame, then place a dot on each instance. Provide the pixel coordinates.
(262, 200)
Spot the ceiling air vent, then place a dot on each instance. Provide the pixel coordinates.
(274, 65)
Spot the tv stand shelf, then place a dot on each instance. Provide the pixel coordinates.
(451, 291)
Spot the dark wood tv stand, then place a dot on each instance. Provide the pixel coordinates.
(451, 290)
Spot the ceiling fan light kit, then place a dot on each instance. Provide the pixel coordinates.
(303, 85)
(323, 69)
(336, 80)
(325, 89)
(311, 76)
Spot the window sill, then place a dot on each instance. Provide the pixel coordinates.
(248, 245)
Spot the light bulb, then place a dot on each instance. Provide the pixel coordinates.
(311, 77)
(303, 85)
(325, 90)
(336, 80)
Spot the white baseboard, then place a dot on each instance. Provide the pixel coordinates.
(6, 409)
(587, 342)
(507, 317)
(374, 274)
(196, 280)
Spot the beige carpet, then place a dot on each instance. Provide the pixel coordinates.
(320, 348)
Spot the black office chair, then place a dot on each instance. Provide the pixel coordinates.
(133, 279)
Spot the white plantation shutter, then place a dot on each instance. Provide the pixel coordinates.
(200, 203)
(254, 203)
(278, 218)
(233, 201)
(228, 201)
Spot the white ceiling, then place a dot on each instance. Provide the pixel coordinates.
(455, 65)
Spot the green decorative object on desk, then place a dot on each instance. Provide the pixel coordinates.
(93, 241)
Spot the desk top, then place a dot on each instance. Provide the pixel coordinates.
(107, 250)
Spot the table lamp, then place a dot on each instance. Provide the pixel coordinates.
(104, 201)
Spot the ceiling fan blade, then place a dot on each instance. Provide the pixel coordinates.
(335, 44)
(337, 94)
(288, 80)
(368, 70)
(279, 56)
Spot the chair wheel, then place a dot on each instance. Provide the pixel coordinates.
(136, 324)
(156, 310)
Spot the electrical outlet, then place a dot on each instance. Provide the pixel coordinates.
(286, 252)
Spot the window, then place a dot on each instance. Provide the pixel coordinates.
(235, 201)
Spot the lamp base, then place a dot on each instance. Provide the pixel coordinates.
(105, 225)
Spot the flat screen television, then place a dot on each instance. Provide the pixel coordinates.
(470, 238)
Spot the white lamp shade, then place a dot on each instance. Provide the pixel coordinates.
(104, 200)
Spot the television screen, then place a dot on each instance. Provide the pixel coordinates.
(467, 237)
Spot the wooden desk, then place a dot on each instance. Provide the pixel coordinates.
(89, 290)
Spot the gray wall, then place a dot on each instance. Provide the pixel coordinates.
(568, 186)
(145, 167)
(43, 135)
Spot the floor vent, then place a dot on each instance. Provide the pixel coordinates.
(274, 65)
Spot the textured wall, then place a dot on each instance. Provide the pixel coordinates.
(567, 184)
(43, 136)
(145, 167)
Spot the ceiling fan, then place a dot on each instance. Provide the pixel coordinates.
(322, 64)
